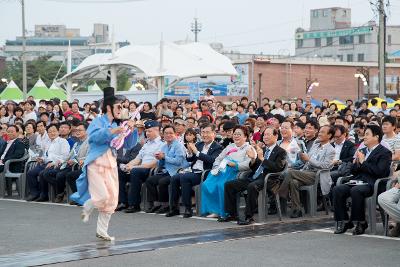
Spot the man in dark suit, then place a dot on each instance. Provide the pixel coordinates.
(344, 153)
(202, 156)
(271, 159)
(13, 149)
(372, 162)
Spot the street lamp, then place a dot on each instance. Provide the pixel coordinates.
(363, 75)
(310, 84)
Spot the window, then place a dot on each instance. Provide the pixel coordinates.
(361, 39)
(340, 57)
(317, 42)
(349, 57)
(325, 13)
(349, 39)
(389, 40)
(299, 43)
(360, 57)
(315, 13)
(329, 41)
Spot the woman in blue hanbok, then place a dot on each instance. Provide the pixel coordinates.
(232, 160)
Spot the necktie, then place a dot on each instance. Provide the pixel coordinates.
(260, 168)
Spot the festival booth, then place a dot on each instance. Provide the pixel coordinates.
(11, 92)
(153, 62)
(58, 91)
(40, 91)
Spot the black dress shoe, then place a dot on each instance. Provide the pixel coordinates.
(42, 199)
(360, 228)
(247, 221)
(228, 218)
(172, 213)
(73, 203)
(188, 213)
(296, 214)
(32, 198)
(272, 211)
(163, 210)
(59, 198)
(121, 206)
(342, 227)
(132, 209)
(153, 209)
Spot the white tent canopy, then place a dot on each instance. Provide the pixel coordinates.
(166, 59)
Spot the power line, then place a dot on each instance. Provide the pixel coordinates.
(94, 1)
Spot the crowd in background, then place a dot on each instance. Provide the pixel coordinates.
(228, 148)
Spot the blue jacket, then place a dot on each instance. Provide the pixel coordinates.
(175, 157)
(99, 142)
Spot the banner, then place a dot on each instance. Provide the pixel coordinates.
(220, 85)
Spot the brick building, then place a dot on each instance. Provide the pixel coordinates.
(288, 78)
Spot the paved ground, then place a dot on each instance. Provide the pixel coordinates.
(296, 249)
(33, 229)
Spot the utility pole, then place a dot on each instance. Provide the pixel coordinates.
(382, 48)
(24, 82)
(196, 28)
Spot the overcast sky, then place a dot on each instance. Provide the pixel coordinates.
(247, 26)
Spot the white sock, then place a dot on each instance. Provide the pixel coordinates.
(102, 225)
(88, 208)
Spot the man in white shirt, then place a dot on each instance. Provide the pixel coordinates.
(374, 107)
(384, 108)
(389, 125)
(30, 113)
(42, 139)
(138, 169)
(55, 155)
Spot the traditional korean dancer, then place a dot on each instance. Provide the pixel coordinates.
(98, 184)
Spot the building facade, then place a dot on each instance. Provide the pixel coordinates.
(53, 41)
(331, 35)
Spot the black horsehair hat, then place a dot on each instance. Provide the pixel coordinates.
(109, 97)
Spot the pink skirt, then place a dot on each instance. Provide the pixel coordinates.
(102, 175)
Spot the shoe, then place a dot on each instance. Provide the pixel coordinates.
(228, 218)
(172, 213)
(42, 199)
(153, 209)
(272, 211)
(395, 230)
(122, 206)
(247, 221)
(85, 216)
(296, 214)
(321, 207)
(360, 228)
(73, 203)
(32, 198)
(132, 209)
(105, 238)
(163, 210)
(59, 198)
(212, 215)
(188, 213)
(342, 227)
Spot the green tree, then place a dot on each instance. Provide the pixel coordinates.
(40, 67)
